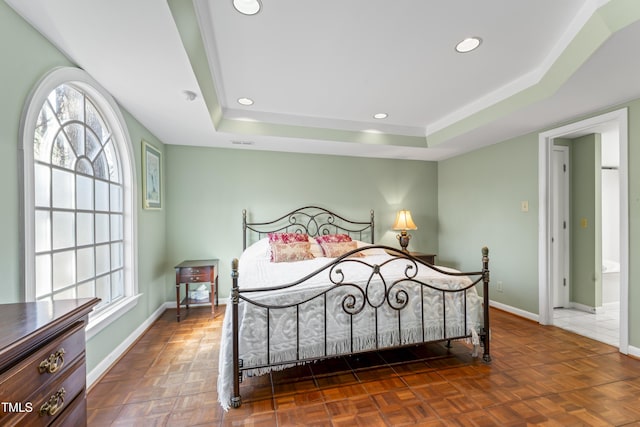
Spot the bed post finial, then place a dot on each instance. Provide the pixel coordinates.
(373, 240)
(235, 398)
(244, 229)
(485, 292)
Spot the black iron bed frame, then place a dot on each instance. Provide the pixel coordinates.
(315, 221)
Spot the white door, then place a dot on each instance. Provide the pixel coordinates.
(560, 226)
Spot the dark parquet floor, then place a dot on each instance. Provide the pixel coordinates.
(539, 376)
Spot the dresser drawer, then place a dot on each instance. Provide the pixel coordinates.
(74, 415)
(195, 274)
(44, 366)
(54, 400)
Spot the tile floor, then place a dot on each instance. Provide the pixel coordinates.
(603, 326)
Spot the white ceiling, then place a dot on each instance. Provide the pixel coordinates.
(318, 71)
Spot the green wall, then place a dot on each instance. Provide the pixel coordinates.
(23, 64)
(207, 189)
(586, 224)
(479, 197)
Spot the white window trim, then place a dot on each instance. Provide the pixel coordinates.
(113, 116)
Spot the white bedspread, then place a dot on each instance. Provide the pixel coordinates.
(299, 333)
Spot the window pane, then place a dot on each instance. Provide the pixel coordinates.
(117, 285)
(85, 229)
(93, 146)
(84, 192)
(116, 255)
(102, 228)
(114, 168)
(86, 290)
(103, 289)
(42, 179)
(116, 227)
(102, 259)
(116, 198)
(64, 269)
(43, 275)
(63, 189)
(43, 231)
(66, 294)
(95, 122)
(75, 135)
(101, 167)
(61, 154)
(64, 235)
(46, 129)
(84, 166)
(69, 103)
(102, 196)
(85, 264)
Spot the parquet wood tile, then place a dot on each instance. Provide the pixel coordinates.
(539, 376)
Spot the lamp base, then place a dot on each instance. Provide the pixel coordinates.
(404, 238)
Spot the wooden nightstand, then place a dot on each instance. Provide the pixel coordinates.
(428, 258)
(201, 271)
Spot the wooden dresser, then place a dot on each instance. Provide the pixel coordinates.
(42, 363)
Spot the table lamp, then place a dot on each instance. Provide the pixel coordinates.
(403, 223)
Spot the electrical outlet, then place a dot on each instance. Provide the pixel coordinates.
(499, 286)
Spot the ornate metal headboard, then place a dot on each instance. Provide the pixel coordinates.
(311, 220)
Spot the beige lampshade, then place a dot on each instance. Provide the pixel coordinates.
(404, 221)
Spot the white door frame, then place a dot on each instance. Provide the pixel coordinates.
(562, 242)
(545, 142)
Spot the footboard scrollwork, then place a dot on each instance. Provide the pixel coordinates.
(410, 299)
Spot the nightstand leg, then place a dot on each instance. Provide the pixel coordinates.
(178, 302)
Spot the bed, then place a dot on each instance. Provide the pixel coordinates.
(312, 285)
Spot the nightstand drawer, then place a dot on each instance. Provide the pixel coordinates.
(195, 274)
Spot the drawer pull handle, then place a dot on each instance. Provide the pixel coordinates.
(55, 403)
(54, 362)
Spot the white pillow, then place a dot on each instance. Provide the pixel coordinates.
(260, 250)
(374, 251)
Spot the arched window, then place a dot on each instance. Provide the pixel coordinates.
(79, 192)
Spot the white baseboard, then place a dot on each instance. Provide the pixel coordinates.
(514, 310)
(583, 307)
(106, 363)
(634, 351)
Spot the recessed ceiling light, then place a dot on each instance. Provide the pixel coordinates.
(247, 7)
(380, 115)
(245, 101)
(468, 44)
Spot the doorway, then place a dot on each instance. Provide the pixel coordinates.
(548, 257)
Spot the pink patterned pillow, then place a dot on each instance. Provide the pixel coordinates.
(336, 249)
(287, 237)
(333, 238)
(288, 252)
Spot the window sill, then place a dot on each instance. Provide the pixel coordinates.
(99, 321)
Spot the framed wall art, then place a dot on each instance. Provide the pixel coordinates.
(151, 177)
